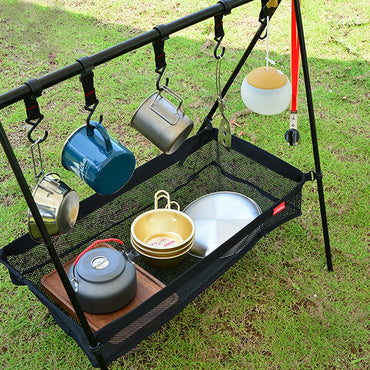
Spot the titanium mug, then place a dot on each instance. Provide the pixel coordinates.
(100, 161)
(162, 122)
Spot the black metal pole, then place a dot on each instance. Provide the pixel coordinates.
(315, 146)
(75, 69)
(48, 242)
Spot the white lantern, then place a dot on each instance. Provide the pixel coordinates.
(266, 90)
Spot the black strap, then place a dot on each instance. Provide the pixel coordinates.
(227, 6)
(34, 116)
(158, 45)
(219, 30)
(87, 80)
(30, 101)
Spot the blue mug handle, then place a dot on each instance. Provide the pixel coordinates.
(96, 125)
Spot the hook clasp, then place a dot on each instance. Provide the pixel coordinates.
(34, 125)
(160, 71)
(91, 111)
(34, 116)
(218, 40)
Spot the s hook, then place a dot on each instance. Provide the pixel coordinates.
(91, 112)
(218, 40)
(160, 72)
(34, 125)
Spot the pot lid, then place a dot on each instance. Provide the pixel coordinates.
(217, 217)
(100, 265)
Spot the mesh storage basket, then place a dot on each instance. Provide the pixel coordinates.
(201, 166)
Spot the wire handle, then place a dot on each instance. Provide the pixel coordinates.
(93, 245)
(224, 131)
(40, 173)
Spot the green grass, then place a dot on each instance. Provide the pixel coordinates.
(277, 308)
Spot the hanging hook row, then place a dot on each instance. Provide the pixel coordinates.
(219, 30)
(34, 116)
(87, 81)
(160, 55)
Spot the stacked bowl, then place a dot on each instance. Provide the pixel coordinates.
(163, 236)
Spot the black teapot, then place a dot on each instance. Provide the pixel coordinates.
(103, 278)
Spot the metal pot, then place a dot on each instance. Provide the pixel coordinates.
(103, 278)
(58, 205)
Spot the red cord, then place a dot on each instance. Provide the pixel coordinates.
(294, 61)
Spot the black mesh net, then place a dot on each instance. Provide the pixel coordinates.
(201, 166)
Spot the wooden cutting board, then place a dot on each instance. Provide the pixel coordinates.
(147, 285)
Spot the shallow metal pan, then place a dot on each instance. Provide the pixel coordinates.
(217, 217)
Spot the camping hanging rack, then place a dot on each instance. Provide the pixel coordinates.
(136, 325)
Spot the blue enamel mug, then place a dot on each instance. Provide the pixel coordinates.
(100, 161)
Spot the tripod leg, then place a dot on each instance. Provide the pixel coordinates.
(313, 134)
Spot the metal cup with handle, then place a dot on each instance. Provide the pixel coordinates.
(162, 122)
(57, 203)
(100, 161)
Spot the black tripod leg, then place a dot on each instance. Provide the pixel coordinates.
(313, 134)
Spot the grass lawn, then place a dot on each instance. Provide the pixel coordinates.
(278, 307)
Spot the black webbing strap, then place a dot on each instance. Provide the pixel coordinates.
(87, 80)
(158, 45)
(219, 31)
(32, 106)
(34, 116)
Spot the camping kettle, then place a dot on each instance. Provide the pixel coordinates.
(103, 278)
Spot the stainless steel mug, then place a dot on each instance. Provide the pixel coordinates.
(162, 122)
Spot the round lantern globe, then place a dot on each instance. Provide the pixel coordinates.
(266, 91)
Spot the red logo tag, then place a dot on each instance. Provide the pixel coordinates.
(279, 208)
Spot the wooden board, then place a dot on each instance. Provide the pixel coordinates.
(147, 285)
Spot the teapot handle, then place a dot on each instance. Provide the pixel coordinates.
(93, 245)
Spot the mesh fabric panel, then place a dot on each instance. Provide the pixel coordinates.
(201, 166)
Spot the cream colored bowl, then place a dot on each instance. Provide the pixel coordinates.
(162, 228)
(162, 262)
